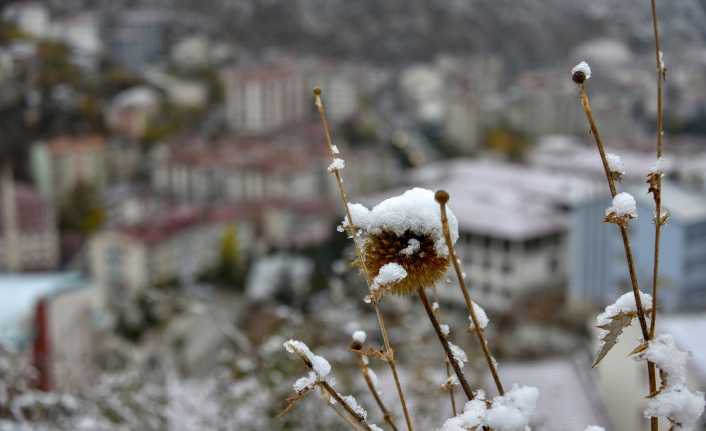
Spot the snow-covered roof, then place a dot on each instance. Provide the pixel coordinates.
(20, 293)
(568, 155)
(567, 401)
(503, 200)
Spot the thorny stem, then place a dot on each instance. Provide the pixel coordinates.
(445, 344)
(657, 192)
(385, 412)
(626, 240)
(442, 197)
(352, 232)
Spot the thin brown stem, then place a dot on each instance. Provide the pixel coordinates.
(585, 102)
(371, 386)
(451, 391)
(352, 232)
(449, 387)
(445, 344)
(336, 396)
(651, 374)
(657, 192)
(442, 198)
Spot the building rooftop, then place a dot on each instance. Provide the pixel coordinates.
(503, 200)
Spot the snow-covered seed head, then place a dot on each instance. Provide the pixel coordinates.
(404, 247)
(581, 73)
(424, 267)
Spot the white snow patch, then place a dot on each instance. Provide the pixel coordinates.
(675, 401)
(445, 329)
(458, 354)
(482, 317)
(623, 205)
(415, 210)
(360, 336)
(389, 273)
(615, 164)
(624, 304)
(304, 383)
(321, 366)
(582, 67)
(657, 167)
(413, 245)
(336, 165)
(510, 412)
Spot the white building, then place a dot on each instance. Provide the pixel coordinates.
(265, 98)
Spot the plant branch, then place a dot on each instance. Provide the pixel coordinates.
(652, 379)
(448, 387)
(352, 232)
(442, 198)
(656, 185)
(371, 386)
(585, 102)
(445, 344)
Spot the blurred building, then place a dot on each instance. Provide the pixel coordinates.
(136, 38)
(61, 163)
(129, 111)
(265, 98)
(179, 245)
(28, 236)
(290, 164)
(53, 315)
(682, 268)
(513, 225)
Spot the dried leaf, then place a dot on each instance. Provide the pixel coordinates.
(613, 331)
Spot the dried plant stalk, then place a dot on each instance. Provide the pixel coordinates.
(352, 232)
(354, 419)
(445, 344)
(656, 187)
(586, 104)
(364, 371)
(448, 387)
(442, 198)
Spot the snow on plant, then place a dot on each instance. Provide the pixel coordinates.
(615, 165)
(673, 400)
(406, 230)
(615, 318)
(622, 210)
(336, 165)
(510, 412)
(481, 316)
(581, 72)
(319, 376)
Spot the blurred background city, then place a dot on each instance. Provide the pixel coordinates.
(167, 219)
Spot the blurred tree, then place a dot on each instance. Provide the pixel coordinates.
(508, 142)
(81, 210)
